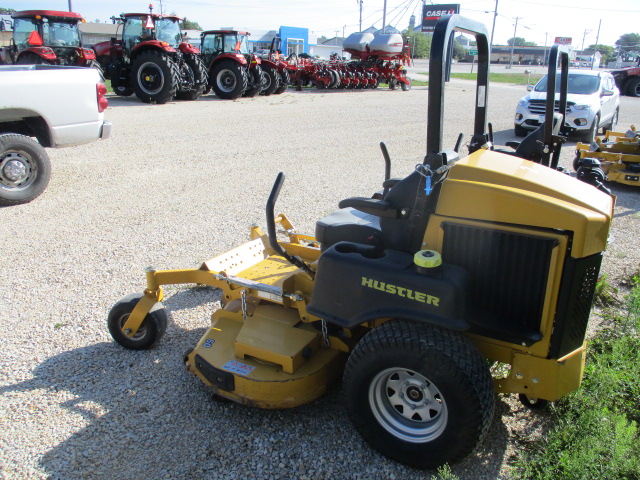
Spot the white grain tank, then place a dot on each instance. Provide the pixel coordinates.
(357, 41)
(386, 43)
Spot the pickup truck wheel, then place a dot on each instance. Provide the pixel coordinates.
(151, 330)
(420, 394)
(25, 169)
(154, 78)
(228, 80)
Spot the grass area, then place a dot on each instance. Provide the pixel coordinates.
(514, 78)
(594, 431)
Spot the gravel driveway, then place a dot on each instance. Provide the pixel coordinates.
(175, 185)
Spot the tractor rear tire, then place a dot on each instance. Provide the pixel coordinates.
(255, 82)
(199, 73)
(151, 330)
(154, 77)
(420, 394)
(32, 59)
(228, 80)
(25, 169)
(272, 80)
(285, 79)
(632, 88)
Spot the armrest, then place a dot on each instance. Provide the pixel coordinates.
(390, 183)
(379, 208)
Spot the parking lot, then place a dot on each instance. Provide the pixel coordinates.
(175, 185)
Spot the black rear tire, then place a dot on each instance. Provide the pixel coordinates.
(32, 59)
(228, 80)
(199, 74)
(154, 77)
(285, 79)
(272, 80)
(25, 169)
(633, 87)
(255, 82)
(419, 394)
(151, 330)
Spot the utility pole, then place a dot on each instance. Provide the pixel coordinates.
(70, 6)
(583, 37)
(493, 29)
(360, 2)
(513, 42)
(384, 15)
(544, 59)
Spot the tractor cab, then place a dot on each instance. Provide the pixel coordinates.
(47, 36)
(218, 42)
(139, 29)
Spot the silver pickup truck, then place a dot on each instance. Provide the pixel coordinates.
(44, 106)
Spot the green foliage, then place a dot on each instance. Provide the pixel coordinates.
(420, 43)
(520, 42)
(608, 53)
(6, 11)
(605, 292)
(459, 52)
(595, 431)
(444, 473)
(515, 78)
(186, 24)
(629, 42)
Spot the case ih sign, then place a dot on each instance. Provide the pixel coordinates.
(432, 13)
(563, 40)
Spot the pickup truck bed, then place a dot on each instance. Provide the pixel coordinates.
(58, 107)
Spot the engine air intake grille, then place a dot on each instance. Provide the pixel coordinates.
(509, 274)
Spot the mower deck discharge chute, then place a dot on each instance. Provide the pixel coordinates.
(407, 294)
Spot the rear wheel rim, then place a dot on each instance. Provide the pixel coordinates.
(17, 170)
(407, 405)
(226, 81)
(150, 78)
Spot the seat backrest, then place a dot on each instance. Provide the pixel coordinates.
(532, 147)
(400, 233)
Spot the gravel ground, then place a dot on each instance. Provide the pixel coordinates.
(177, 184)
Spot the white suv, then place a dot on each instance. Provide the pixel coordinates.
(593, 102)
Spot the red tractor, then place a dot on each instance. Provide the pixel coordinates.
(151, 60)
(233, 71)
(47, 37)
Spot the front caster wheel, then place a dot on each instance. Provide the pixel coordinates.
(419, 394)
(151, 330)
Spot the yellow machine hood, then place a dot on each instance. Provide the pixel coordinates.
(511, 190)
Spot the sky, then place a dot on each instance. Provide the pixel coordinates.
(539, 21)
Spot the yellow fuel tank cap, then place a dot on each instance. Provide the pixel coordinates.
(427, 259)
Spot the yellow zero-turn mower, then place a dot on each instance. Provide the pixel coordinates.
(616, 156)
(406, 295)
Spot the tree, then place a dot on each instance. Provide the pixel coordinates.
(6, 11)
(520, 42)
(459, 52)
(629, 42)
(608, 53)
(420, 43)
(186, 24)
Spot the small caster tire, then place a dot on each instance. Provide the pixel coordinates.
(151, 330)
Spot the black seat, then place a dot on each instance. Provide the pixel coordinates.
(382, 222)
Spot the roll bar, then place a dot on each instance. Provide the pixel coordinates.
(441, 49)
